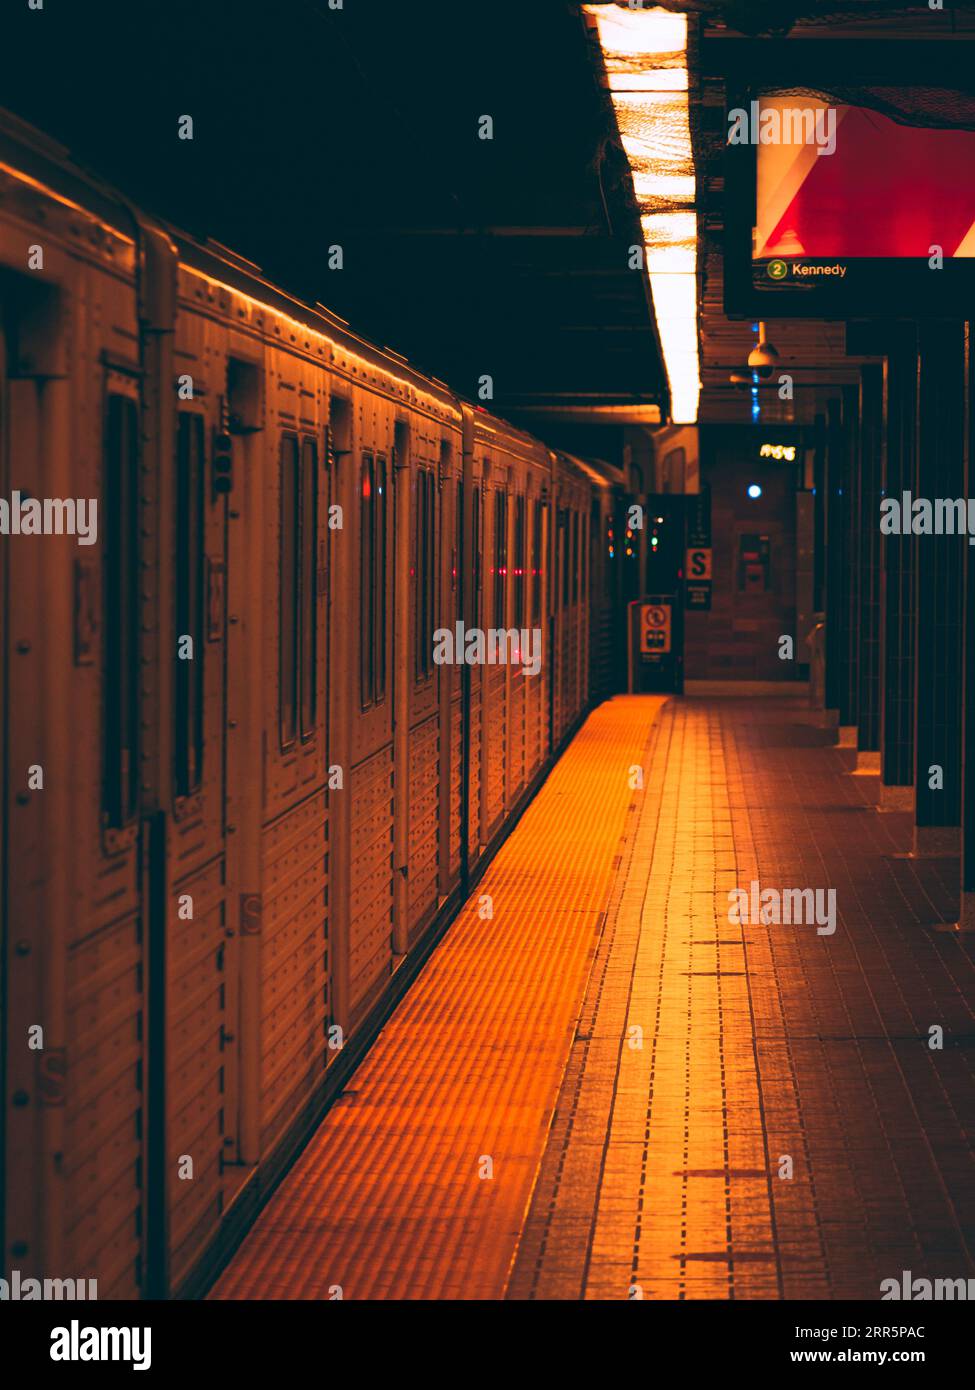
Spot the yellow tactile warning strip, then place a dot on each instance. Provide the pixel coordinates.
(416, 1183)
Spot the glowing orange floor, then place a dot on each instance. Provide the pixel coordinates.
(610, 1090)
(392, 1197)
(754, 1111)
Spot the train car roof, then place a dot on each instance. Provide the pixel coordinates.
(32, 155)
(597, 471)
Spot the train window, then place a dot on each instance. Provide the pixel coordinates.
(500, 554)
(575, 557)
(536, 562)
(367, 582)
(244, 383)
(564, 553)
(421, 566)
(431, 566)
(308, 549)
(121, 600)
(288, 615)
(582, 557)
(340, 426)
(379, 582)
(457, 579)
(519, 562)
(584, 534)
(476, 556)
(190, 601)
(372, 579)
(424, 570)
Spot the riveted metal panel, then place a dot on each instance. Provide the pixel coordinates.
(516, 734)
(294, 988)
(534, 689)
(476, 763)
(197, 1023)
(372, 875)
(100, 940)
(496, 732)
(103, 1143)
(566, 633)
(424, 817)
(456, 782)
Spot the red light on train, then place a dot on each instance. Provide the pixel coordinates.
(366, 486)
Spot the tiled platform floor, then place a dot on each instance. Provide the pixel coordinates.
(646, 1075)
(393, 1198)
(765, 1050)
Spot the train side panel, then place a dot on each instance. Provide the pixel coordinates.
(75, 905)
(254, 784)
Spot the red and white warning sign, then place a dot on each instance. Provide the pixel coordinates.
(654, 629)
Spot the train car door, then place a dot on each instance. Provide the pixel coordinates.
(423, 682)
(473, 675)
(73, 908)
(23, 870)
(5, 1165)
(452, 711)
(559, 607)
(494, 707)
(294, 918)
(200, 950)
(234, 594)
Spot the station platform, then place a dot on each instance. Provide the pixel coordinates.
(608, 1090)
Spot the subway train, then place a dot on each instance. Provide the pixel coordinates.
(242, 795)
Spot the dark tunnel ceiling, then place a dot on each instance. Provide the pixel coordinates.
(358, 127)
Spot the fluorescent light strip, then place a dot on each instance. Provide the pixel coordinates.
(645, 57)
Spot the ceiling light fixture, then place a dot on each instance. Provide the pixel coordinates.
(645, 61)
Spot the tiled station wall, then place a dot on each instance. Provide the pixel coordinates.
(739, 638)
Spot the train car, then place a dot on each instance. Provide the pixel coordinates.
(243, 786)
(611, 559)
